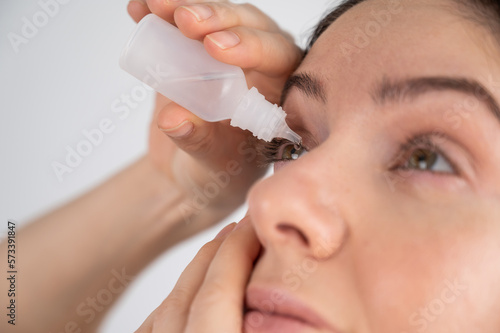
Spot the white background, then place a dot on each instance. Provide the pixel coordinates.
(63, 81)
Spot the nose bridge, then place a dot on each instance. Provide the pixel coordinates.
(299, 206)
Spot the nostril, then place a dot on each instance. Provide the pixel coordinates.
(289, 229)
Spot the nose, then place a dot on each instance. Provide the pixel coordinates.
(296, 209)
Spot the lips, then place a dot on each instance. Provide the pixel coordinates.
(274, 310)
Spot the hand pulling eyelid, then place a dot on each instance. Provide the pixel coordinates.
(180, 68)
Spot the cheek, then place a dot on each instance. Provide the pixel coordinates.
(430, 268)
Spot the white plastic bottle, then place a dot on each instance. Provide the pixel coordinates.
(180, 68)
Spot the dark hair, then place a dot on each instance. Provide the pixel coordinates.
(482, 12)
(329, 19)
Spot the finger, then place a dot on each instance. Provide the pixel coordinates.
(218, 306)
(200, 139)
(171, 315)
(137, 9)
(196, 21)
(165, 8)
(271, 53)
(147, 325)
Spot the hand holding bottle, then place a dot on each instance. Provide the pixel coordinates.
(240, 35)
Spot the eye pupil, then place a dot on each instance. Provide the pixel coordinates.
(291, 153)
(423, 159)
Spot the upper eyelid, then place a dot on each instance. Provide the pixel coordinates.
(295, 119)
(424, 140)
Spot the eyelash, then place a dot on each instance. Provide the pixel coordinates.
(422, 141)
(271, 152)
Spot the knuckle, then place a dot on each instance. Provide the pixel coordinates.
(225, 7)
(156, 6)
(251, 8)
(245, 14)
(209, 297)
(228, 13)
(157, 323)
(291, 50)
(200, 141)
(175, 303)
(196, 144)
(265, 21)
(179, 296)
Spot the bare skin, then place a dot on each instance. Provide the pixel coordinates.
(391, 222)
(72, 254)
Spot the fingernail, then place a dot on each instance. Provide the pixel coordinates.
(224, 39)
(226, 230)
(142, 2)
(201, 12)
(169, 1)
(183, 129)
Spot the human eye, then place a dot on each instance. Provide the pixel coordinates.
(281, 150)
(423, 154)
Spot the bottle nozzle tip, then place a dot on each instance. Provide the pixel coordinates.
(293, 137)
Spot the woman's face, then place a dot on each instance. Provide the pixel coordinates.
(391, 222)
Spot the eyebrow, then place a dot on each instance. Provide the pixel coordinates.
(306, 83)
(399, 90)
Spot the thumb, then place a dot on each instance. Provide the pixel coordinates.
(190, 133)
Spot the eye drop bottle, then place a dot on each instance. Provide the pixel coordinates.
(180, 68)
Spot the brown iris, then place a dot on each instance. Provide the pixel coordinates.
(423, 159)
(291, 152)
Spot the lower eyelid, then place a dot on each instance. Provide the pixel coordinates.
(423, 182)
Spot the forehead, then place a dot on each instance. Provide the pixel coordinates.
(400, 39)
